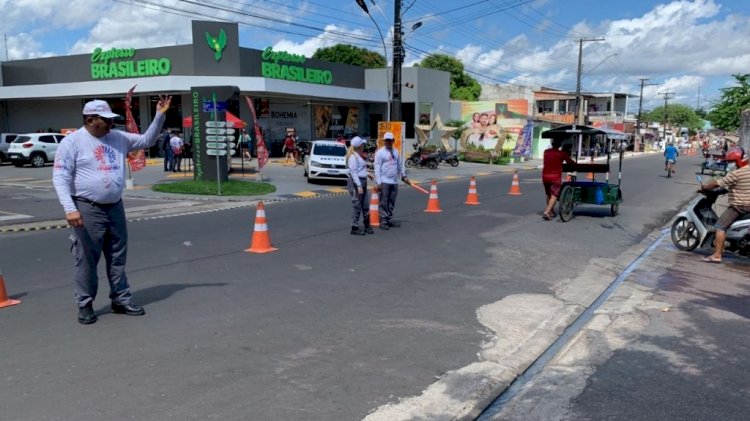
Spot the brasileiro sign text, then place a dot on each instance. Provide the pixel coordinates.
(294, 71)
(118, 63)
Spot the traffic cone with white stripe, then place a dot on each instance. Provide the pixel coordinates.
(5, 301)
(374, 209)
(472, 198)
(433, 204)
(515, 186)
(261, 239)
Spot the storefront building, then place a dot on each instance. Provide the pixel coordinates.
(318, 99)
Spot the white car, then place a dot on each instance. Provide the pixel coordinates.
(34, 148)
(326, 161)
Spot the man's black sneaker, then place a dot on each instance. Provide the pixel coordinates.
(394, 224)
(356, 231)
(384, 226)
(368, 230)
(128, 309)
(86, 315)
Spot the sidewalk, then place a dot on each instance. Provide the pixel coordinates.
(670, 343)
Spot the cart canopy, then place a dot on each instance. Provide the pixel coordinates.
(572, 129)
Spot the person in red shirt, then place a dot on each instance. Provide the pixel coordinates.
(552, 175)
(290, 149)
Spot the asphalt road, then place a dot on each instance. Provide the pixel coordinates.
(329, 327)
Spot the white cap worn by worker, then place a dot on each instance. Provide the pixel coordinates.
(100, 108)
(388, 136)
(357, 141)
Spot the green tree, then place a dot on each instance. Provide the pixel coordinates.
(463, 86)
(678, 115)
(725, 113)
(349, 54)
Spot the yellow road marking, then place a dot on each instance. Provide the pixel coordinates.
(19, 179)
(451, 177)
(306, 194)
(484, 173)
(337, 190)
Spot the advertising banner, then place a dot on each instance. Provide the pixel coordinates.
(331, 120)
(136, 159)
(398, 128)
(493, 126)
(261, 143)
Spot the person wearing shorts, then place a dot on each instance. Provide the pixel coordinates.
(738, 184)
(670, 155)
(554, 158)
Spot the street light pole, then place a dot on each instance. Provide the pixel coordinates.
(364, 8)
(398, 60)
(578, 78)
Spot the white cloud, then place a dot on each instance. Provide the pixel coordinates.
(332, 35)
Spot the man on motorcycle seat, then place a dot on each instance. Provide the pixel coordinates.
(738, 184)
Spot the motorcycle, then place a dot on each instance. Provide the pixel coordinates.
(303, 148)
(420, 159)
(450, 158)
(694, 226)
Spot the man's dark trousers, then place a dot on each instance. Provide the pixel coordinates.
(387, 198)
(104, 230)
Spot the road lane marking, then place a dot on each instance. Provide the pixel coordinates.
(9, 216)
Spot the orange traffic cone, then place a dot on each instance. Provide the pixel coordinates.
(5, 301)
(374, 209)
(472, 198)
(261, 240)
(515, 186)
(433, 205)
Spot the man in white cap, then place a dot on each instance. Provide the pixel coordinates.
(388, 169)
(89, 177)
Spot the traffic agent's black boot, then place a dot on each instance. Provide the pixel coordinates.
(356, 231)
(86, 315)
(368, 229)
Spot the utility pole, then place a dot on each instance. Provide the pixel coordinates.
(5, 36)
(640, 102)
(398, 60)
(667, 97)
(579, 117)
(699, 98)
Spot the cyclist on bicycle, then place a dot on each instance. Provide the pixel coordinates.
(670, 156)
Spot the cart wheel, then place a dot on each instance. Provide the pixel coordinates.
(684, 234)
(566, 204)
(615, 209)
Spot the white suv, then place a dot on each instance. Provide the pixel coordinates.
(5, 140)
(34, 148)
(327, 160)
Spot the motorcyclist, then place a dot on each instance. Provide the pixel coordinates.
(738, 184)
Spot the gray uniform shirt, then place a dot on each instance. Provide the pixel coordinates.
(94, 168)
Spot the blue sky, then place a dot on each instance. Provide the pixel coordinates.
(682, 45)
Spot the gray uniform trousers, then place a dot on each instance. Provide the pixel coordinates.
(360, 203)
(104, 230)
(387, 198)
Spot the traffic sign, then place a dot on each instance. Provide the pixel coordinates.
(217, 138)
(216, 124)
(221, 106)
(216, 145)
(215, 152)
(230, 131)
(216, 131)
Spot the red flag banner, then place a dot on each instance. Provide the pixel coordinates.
(136, 159)
(261, 144)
